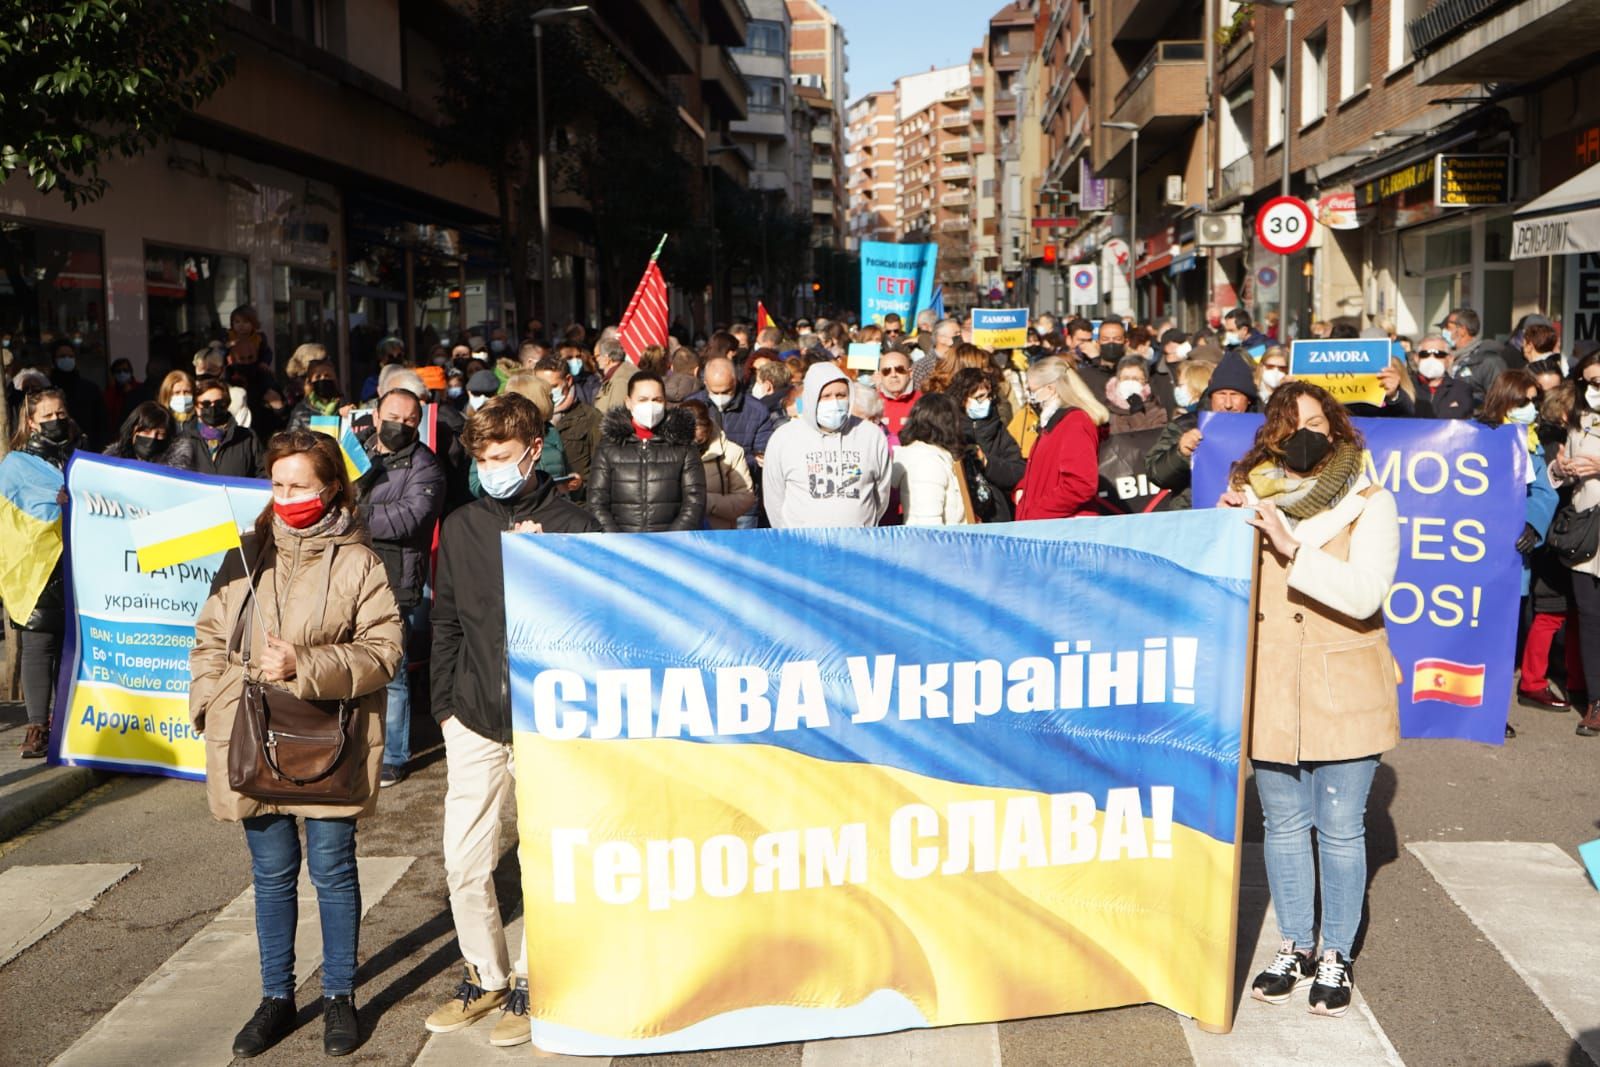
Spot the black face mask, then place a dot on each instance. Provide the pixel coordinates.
(325, 388)
(1304, 449)
(1112, 351)
(148, 448)
(396, 435)
(214, 414)
(56, 431)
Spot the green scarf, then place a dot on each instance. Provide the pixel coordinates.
(1301, 497)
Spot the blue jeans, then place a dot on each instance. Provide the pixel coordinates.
(749, 520)
(274, 842)
(1333, 798)
(397, 714)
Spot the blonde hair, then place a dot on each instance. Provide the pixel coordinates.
(507, 366)
(529, 384)
(208, 363)
(1058, 374)
(1194, 375)
(303, 357)
(170, 382)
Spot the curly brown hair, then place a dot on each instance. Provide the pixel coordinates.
(1283, 419)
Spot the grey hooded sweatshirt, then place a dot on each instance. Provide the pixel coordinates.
(814, 477)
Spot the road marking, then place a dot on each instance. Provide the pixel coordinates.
(969, 1046)
(472, 1044)
(1287, 1032)
(36, 900)
(1537, 906)
(186, 1013)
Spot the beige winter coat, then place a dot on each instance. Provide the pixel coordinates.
(340, 616)
(730, 492)
(1325, 679)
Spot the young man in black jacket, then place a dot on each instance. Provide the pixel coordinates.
(472, 698)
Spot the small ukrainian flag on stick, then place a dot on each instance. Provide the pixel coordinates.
(187, 532)
(356, 462)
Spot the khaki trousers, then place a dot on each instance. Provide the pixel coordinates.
(480, 777)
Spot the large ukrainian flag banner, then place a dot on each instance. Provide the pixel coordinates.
(123, 703)
(780, 785)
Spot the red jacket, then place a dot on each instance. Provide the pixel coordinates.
(1062, 480)
(896, 410)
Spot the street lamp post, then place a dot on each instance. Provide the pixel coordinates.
(1132, 129)
(539, 18)
(1288, 103)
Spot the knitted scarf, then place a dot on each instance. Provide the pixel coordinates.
(1299, 496)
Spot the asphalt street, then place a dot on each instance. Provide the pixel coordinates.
(1437, 985)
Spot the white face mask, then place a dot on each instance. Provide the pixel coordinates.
(1181, 397)
(1272, 377)
(1128, 388)
(1592, 395)
(1431, 368)
(722, 400)
(476, 401)
(831, 413)
(181, 404)
(648, 413)
(761, 389)
(1524, 415)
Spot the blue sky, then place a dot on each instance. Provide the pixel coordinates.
(886, 39)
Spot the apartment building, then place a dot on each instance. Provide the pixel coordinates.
(872, 170)
(768, 133)
(817, 62)
(305, 187)
(934, 154)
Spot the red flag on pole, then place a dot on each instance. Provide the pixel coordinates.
(763, 320)
(645, 322)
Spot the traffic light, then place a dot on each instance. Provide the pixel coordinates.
(455, 294)
(1049, 255)
(816, 287)
(1011, 283)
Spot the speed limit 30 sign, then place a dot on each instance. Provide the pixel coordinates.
(1283, 225)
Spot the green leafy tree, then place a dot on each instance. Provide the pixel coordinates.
(85, 81)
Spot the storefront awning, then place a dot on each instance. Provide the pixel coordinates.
(1564, 221)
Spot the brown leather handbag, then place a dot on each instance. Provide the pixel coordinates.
(287, 750)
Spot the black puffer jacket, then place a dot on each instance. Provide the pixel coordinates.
(471, 678)
(400, 500)
(179, 453)
(50, 611)
(239, 455)
(640, 486)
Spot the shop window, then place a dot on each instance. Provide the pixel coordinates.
(191, 297)
(52, 286)
(304, 310)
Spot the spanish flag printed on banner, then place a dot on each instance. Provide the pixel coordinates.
(1447, 681)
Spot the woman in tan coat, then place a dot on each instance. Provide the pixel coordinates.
(1325, 700)
(323, 625)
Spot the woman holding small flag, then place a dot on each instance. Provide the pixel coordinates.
(301, 615)
(1325, 704)
(46, 432)
(1578, 465)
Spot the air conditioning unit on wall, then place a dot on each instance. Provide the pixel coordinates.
(1220, 230)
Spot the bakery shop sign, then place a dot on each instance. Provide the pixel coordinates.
(1471, 180)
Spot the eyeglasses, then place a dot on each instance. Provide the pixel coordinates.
(1276, 366)
(894, 370)
(1433, 352)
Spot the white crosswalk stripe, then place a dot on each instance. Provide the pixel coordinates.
(1263, 1033)
(1537, 906)
(187, 1012)
(36, 900)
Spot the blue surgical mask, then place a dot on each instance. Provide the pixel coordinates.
(476, 401)
(1449, 338)
(575, 367)
(979, 409)
(558, 396)
(832, 413)
(66, 364)
(503, 482)
(454, 392)
(1230, 338)
(1181, 398)
(180, 404)
(497, 347)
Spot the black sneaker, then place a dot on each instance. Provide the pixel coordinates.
(390, 775)
(270, 1024)
(1288, 971)
(341, 1027)
(1335, 982)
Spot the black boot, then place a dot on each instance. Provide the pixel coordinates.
(270, 1024)
(341, 1027)
(1589, 725)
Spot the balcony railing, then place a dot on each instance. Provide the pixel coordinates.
(955, 225)
(956, 199)
(957, 146)
(1080, 49)
(957, 172)
(1238, 177)
(1448, 18)
(956, 121)
(1163, 52)
(1058, 19)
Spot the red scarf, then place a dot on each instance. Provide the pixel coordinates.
(643, 433)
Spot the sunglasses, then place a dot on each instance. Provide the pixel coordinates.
(1276, 366)
(894, 370)
(1433, 352)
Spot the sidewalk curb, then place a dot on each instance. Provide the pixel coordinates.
(28, 805)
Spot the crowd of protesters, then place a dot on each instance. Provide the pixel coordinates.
(776, 428)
